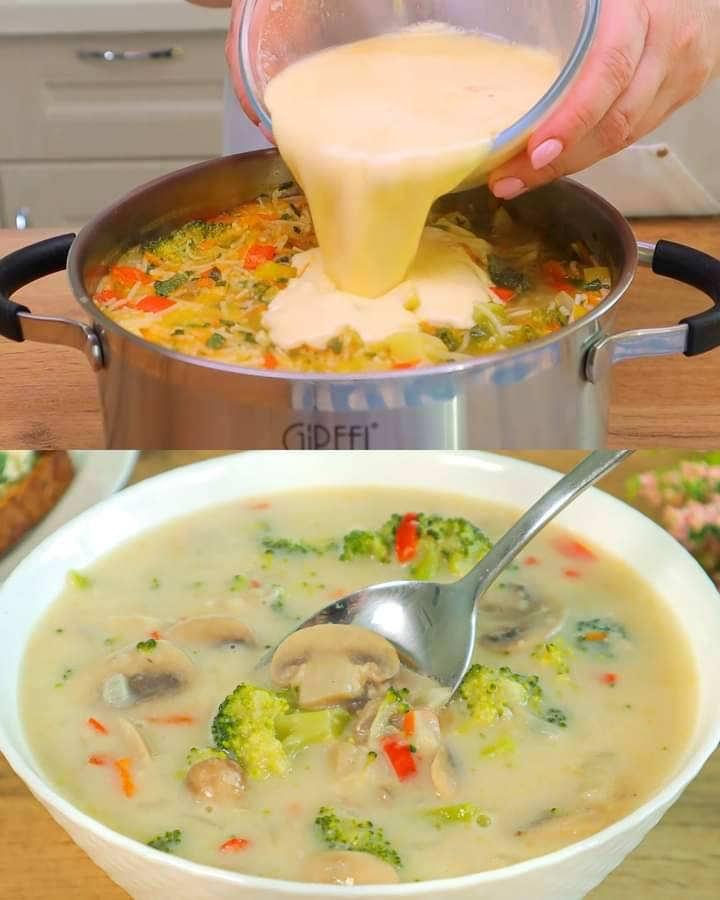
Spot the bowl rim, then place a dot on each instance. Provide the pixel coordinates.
(51, 798)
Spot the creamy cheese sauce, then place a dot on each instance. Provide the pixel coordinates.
(375, 132)
(443, 287)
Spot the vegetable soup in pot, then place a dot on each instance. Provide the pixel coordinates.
(248, 288)
(143, 705)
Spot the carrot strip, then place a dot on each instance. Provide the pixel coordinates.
(409, 723)
(128, 276)
(531, 561)
(123, 768)
(233, 845)
(573, 549)
(609, 678)
(97, 726)
(571, 573)
(98, 759)
(155, 635)
(595, 636)
(270, 361)
(412, 364)
(171, 720)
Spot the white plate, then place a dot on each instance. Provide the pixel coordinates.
(98, 474)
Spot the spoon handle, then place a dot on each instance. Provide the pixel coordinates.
(536, 518)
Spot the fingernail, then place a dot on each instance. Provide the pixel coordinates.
(509, 188)
(546, 153)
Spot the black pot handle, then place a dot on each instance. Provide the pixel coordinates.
(23, 267)
(700, 271)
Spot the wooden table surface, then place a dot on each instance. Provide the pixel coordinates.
(680, 858)
(49, 397)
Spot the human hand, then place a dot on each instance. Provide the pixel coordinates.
(650, 57)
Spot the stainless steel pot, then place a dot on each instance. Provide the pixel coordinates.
(550, 394)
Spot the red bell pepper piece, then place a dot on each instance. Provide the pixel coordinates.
(406, 538)
(400, 757)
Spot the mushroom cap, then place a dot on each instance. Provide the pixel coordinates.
(219, 781)
(219, 630)
(512, 616)
(133, 676)
(348, 867)
(332, 663)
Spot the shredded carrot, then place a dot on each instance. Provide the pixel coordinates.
(259, 506)
(123, 768)
(107, 296)
(171, 720)
(155, 260)
(258, 254)
(97, 726)
(255, 583)
(270, 361)
(128, 276)
(152, 304)
(531, 561)
(98, 760)
(409, 723)
(504, 294)
(595, 636)
(609, 678)
(205, 283)
(571, 573)
(155, 635)
(295, 809)
(573, 549)
(233, 845)
(412, 364)
(338, 593)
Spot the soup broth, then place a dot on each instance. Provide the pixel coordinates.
(579, 706)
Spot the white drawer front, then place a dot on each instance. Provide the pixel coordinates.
(59, 104)
(67, 195)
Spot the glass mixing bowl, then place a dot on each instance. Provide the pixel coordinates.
(275, 33)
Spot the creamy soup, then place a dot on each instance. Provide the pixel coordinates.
(376, 131)
(143, 704)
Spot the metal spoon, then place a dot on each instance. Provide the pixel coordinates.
(433, 626)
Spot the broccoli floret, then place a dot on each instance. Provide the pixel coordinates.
(490, 694)
(394, 703)
(463, 813)
(78, 580)
(170, 285)
(182, 243)
(503, 748)
(201, 754)
(165, 843)
(599, 636)
(146, 646)
(297, 548)
(300, 729)
(503, 275)
(374, 544)
(244, 728)
(556, 654)
(456, 541)
(354, 834)
(556, 717)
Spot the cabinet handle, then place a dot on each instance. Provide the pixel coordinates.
(128, 55)
(22, 219)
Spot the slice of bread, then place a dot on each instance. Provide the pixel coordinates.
(26, 502)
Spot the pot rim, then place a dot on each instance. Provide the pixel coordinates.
(86, 236)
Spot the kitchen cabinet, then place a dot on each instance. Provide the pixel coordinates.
(89, 116)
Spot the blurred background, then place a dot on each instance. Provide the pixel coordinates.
(100, 96)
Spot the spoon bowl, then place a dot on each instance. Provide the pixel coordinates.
(434, 626)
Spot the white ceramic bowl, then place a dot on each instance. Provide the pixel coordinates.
(568, 874)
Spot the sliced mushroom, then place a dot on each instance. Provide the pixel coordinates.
(426, 737)
(365, 719)
(134, 676)
(218, 781)
(512, 616)
(330, 664)
(137, 748)
(443, 775)
(221, 631)
(349, 868)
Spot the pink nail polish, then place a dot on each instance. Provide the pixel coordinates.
(509, 188)
(546, 153)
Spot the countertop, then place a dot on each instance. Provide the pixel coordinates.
(50, 17)
(680, 858)
(50, 398)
